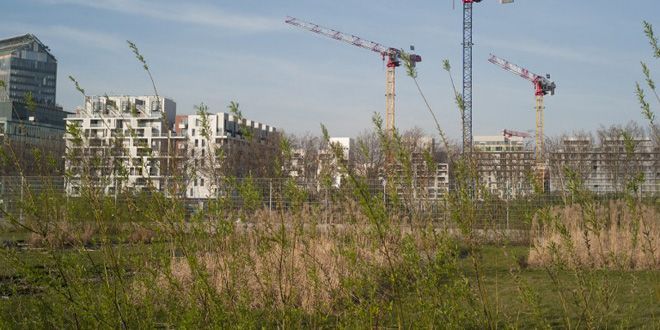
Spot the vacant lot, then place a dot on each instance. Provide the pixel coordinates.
(297, 276)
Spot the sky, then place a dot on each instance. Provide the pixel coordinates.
(220, 51)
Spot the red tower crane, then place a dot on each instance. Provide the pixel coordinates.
(392, 55)
(542, 86)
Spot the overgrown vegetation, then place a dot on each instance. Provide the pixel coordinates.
(363, 258)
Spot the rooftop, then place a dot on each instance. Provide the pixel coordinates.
(12, 43)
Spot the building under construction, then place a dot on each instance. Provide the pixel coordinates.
(607, 167)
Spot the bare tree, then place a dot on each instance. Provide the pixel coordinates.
(369, 158)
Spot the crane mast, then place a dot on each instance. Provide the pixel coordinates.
(467, 75)
(467, 72)
(392, 55)
(542, 86)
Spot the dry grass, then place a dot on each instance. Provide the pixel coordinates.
(305, 272)
(267, 266)
(63, 234)
(140, 234)
(618, 238)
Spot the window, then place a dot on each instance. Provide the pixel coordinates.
(196, 143)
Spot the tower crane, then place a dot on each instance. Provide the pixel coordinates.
(467, 72)
(542, 86)
(392, 55)
(507, 133)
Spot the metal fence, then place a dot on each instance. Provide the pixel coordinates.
(16, 190)
(488, 210)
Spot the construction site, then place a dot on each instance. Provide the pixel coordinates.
(513, 164)
(450, 199)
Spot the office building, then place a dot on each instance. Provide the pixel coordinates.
(29, 115)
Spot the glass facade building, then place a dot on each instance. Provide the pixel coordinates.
(28, 68)
(26, 65)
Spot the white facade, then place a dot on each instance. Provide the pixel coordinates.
(497, 143)
(504, 165)
(328, 163)
(131, 138)
(213, 141)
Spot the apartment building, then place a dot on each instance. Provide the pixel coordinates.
(329, 166)
(222, 145)
(116, 142)
(606, 166)
(504, 165)
(429, 176)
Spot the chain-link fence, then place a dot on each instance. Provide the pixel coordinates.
(486, 209)
(16, 190)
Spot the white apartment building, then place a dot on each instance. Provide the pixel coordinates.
(497, 143)
(222, 144)
(328, 164)
(129, 139)
(504, 165)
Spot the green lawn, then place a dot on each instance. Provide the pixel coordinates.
(634, 302)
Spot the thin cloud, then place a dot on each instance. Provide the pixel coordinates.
(548, 51)
(180, 12)
(84, 37)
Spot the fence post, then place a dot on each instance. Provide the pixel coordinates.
(507, 214)
(21, 207)
(270, 195)
(115, 178)
(384, 194)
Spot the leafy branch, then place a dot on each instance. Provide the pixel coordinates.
(234, 110)
(458, 97)
(78, 88)
(3, 86)
(31, 104)
(639, 91)
(411, 71)
(653, 40)
(140, 58)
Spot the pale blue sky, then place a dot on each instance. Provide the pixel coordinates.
(218, 51)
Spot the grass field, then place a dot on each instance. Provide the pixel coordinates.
(517, 296)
